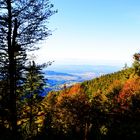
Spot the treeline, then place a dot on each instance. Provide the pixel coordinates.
(103, 82)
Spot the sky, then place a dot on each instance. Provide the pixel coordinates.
(92, 32)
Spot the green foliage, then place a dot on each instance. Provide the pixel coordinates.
(102, 83)
(30, 98)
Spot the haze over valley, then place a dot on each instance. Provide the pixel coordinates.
(58, 75)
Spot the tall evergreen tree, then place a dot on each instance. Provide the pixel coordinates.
(20, 59)
(22, 24)
(33, 88)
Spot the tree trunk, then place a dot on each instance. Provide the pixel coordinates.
(86, 131)
(12, 80)
(31, 117)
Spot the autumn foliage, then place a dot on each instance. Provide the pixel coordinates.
(96, 109)
(105, 108)
(130, 89)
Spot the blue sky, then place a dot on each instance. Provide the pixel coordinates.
(93, 32)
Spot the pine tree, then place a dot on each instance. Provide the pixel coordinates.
(20, 59)
(33, 88)
(22, 25)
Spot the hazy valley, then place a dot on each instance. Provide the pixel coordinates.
(58, 75)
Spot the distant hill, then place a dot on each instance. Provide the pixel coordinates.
(59, 75)
(83, 68)
(56, 80)
(101, 83)
(54, 73)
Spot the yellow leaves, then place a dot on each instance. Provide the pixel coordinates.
(39, 121)
(19, 122)
(22, 121)
(59, 98)
(99, 97)
(116, 86)
(103, 97)
(103, 130)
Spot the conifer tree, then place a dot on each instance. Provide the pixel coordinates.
(22, 25)
(33, 88)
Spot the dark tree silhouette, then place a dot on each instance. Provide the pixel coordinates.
(136, 64)
(22, 24)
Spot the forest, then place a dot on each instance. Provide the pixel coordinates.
(104, 108)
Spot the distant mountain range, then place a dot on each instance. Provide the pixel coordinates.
(58, 75)
(83, 68)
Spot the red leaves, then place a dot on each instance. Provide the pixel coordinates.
(130, 88)
(120, 96)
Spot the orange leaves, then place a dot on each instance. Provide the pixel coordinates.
(69, 93)
(75, 89)
(130, 88)
(120, 95)
(74, 107)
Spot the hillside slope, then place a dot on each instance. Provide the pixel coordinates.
(101, 83)
(103, 107)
